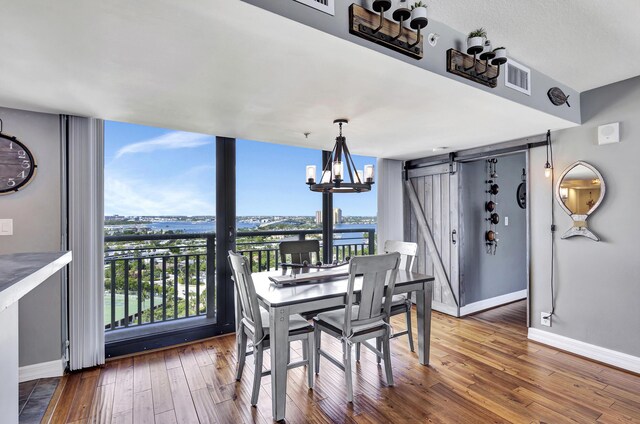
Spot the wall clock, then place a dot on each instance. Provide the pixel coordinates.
(17, 164)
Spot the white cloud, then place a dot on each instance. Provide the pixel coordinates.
(125, 196)
(172, 140)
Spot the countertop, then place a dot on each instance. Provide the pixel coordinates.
(22, 272)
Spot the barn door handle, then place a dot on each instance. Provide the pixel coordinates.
(453, 236)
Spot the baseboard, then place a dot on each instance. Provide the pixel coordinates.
(444, 308)
(41, 370)
(597, 353)
(482, 305)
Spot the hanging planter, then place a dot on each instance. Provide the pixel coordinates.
(500, 57)
(419, 15)
(475, 41)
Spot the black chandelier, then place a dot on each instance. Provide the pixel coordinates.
(333, 179)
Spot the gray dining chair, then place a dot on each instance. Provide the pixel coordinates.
(400, 303)
(299, 251)
(357, 323)
(254, 325)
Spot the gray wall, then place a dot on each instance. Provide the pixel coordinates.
(484, 276)
(597, 284)
(434, 58)
(36, 227)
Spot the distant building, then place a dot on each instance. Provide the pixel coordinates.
(337, 216)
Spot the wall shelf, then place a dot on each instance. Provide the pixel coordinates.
(363, 23)
(471, 68)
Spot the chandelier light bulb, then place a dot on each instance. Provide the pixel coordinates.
(368, 173)
(337, 170)
(311, 174)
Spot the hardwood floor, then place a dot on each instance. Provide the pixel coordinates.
(483, 369)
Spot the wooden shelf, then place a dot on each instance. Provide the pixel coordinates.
(363, 22)
(458, 62)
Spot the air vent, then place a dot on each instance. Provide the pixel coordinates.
(517, 77)
(326, 6)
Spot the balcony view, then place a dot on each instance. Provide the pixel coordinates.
(160, 224)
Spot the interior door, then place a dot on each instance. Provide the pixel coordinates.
(433, 192)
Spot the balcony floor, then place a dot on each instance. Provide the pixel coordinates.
(483, 369)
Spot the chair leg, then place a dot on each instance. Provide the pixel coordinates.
(257, 374)
(409, 332)
(358, 352)
(308, 347)
(305, 352)
(242, 353)
(379, 347)
(317, 338)
(346, 355)
(387, 360)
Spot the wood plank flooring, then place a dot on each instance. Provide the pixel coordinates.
(483, 369)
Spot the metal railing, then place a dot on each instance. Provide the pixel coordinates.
(163, 277)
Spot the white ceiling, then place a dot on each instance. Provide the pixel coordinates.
(583, 44)
(227, 68)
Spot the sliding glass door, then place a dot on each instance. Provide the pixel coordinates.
(160, 237)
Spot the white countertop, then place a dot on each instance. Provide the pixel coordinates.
(22, 272)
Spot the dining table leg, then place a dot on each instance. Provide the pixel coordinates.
(423, 303)
(279, 345)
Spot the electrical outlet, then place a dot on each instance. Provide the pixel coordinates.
(545, 319)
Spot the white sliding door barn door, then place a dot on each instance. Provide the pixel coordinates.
(432, 220)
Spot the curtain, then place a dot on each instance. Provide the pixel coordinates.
(85, 144)
(390, 201)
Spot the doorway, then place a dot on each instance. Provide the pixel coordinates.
(447, 215)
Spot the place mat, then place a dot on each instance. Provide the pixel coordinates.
(307, 275)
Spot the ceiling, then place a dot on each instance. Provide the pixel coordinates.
(200, 66)
(583, 44)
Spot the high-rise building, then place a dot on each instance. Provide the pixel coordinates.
(337, 216)
(318, 217)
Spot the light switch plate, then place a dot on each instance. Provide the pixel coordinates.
(6, 227)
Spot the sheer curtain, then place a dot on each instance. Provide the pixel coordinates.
(390, 201)
(85, 144)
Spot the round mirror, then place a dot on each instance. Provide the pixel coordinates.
(580, 190)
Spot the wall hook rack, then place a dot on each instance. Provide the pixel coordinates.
(483, 69)
(391, 33)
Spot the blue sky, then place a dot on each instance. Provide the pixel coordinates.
(155, 171)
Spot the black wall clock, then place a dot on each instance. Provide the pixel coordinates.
(17, 164)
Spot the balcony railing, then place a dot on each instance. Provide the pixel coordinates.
(163, 277)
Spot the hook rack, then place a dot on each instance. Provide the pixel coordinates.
(391, 33)
(484, 69)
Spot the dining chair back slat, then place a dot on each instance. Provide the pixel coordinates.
(407, 250)
(300, 251)
(378, 274)
(246, 292)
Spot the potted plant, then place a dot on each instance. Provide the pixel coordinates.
(487, 51)
(475, 41)
(500, 52)
(500, 56)
(419, 15)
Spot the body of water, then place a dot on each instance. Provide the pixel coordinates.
(189, 227)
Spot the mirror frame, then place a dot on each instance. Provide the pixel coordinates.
(580, 220)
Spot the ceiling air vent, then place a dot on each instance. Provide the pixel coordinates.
(326, 6)
(517, 77)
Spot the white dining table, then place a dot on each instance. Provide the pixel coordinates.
(281, 302)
